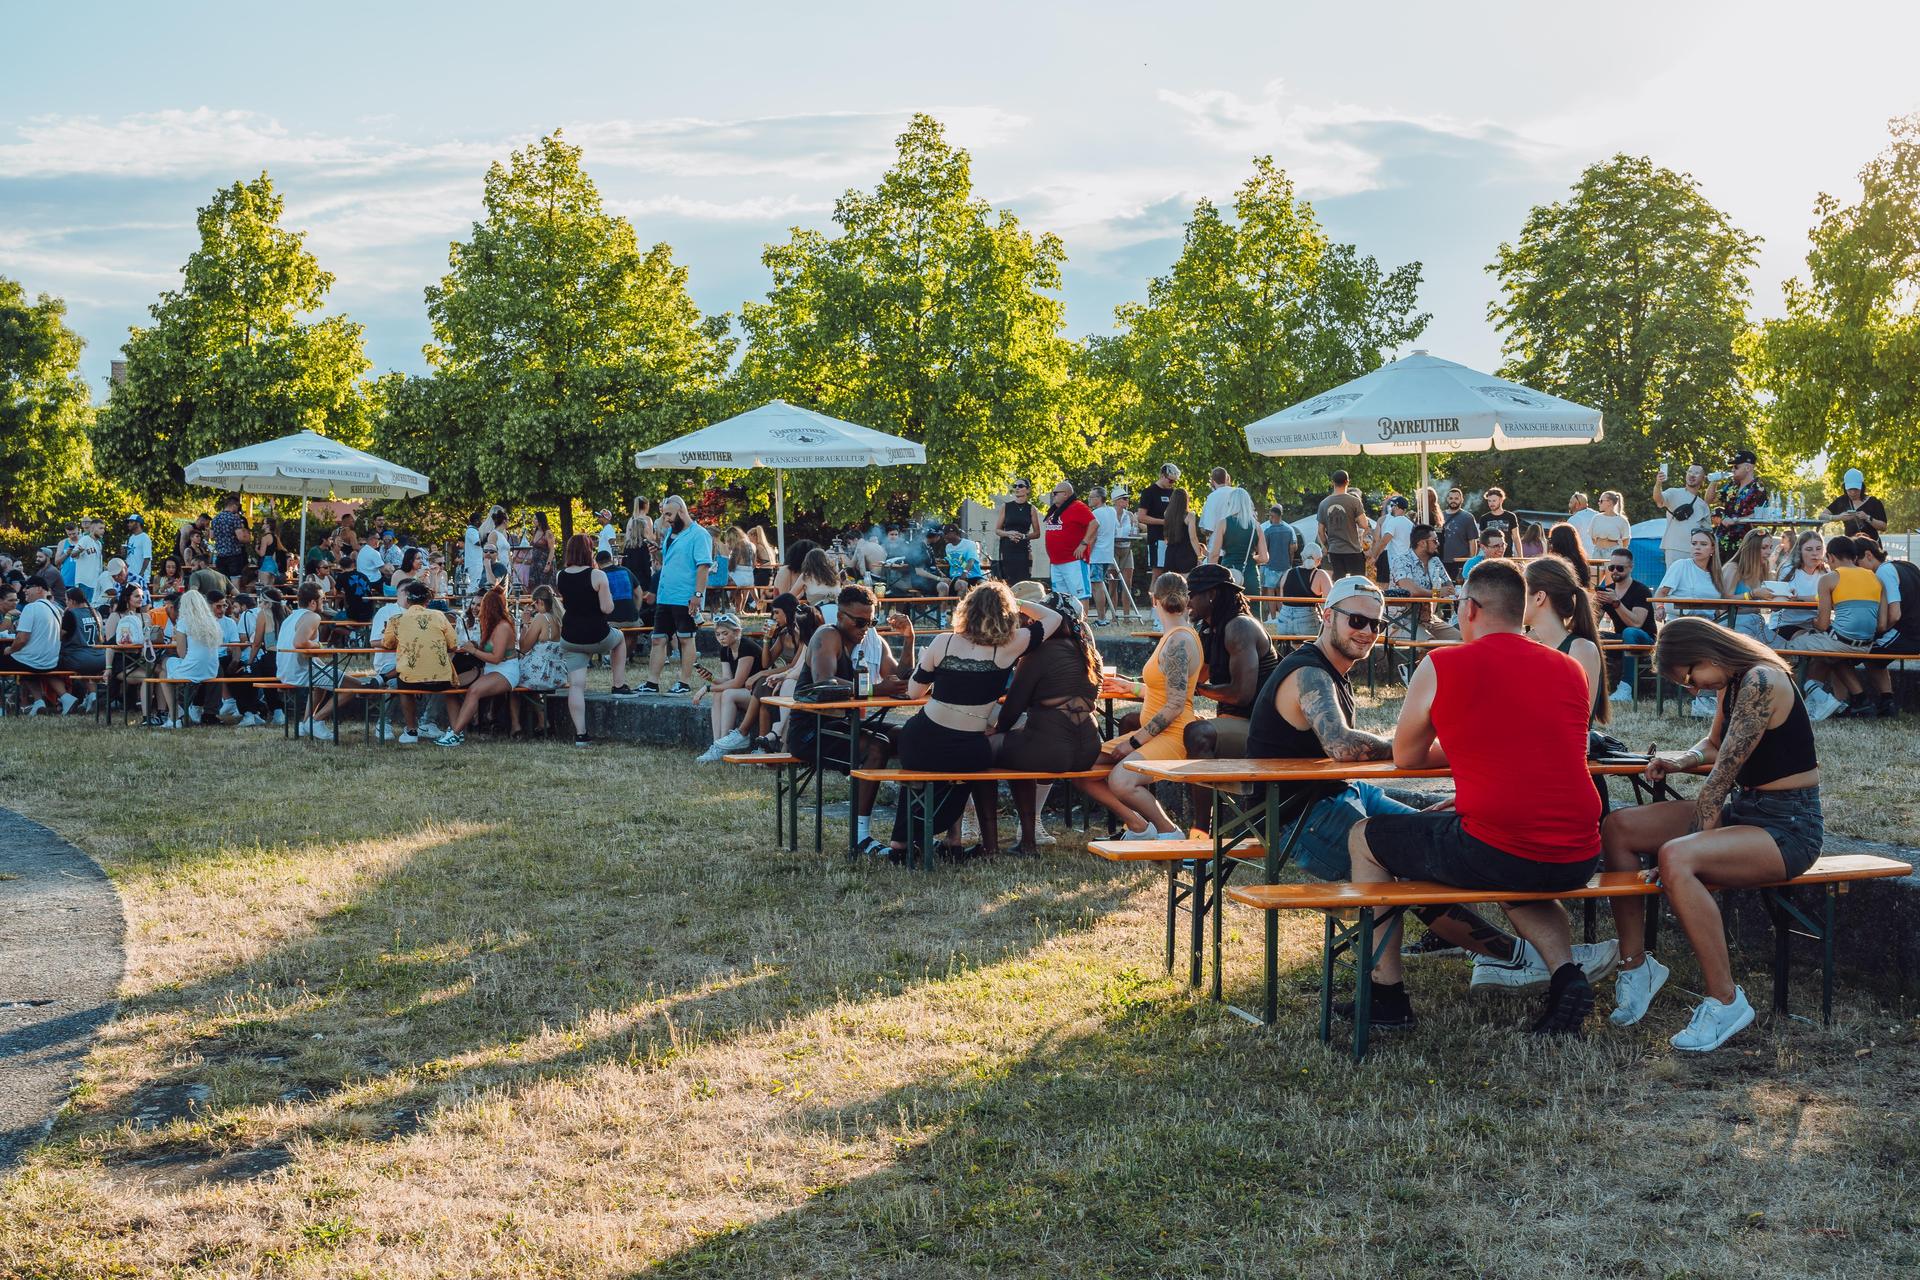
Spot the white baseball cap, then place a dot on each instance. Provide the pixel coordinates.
(1853, 479)
(1353, 585)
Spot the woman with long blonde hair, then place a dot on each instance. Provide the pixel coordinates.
(195, 657)
(1746, 577)
(964, 672)
(1756, 820)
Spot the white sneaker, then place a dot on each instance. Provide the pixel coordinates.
(323, 730)
(1634, 990)
(711, 755)
(229, 712)
(39, 705)
(1705, 705)
(1529, 972)
(87, 703)
(1714, 1023)
(251, 720)
(733, 741)
(304, 729)
(194, 713)
(428, 729)
(279, 718)
(67, 703)
(1820, 703)
(1148, 834)
(1043, 837)
(1622, 692)
(408, 739)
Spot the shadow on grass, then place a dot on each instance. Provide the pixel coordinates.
(495, 957)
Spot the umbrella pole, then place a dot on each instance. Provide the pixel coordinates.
(1420, 496)
(780, 510)
(300, 570)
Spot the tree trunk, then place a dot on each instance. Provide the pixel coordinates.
(566, 527)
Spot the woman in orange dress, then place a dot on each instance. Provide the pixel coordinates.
(1166, 711)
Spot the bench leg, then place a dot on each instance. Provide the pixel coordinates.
(1362, 982)
(1327, 956)
(1202, 896)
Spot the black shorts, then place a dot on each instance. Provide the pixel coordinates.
(674, 620)
(1436, 846)
(13, 666)
(833, 744)
(424, 686)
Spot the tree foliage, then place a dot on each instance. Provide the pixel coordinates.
(1260, 311)
(929, 316)
(1843, 365)
(45, 407)
(559, 347)
(232, 357)
(1631, 296)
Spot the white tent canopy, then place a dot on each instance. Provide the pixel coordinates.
(1421, 403)
(306, 465)
(784, 437)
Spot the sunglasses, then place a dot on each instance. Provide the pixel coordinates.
(1358, 621)
(856, 620)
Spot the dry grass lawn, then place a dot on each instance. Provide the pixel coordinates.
(533, 1012)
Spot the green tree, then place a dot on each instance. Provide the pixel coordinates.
(1630, 296)
(232, 357)
(560, 347)
(1841, 364)
(930, 316)
(45, 407)
(1260, 310)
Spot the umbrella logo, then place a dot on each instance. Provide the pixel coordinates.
(1392, 427)
(800, 435)
(1515, 395)
(308, 452)
(1325, 404)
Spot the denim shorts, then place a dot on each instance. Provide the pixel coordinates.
(1792, 818)
(1321, 850)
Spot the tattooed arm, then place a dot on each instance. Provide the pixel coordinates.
(1321, 708)
(1745, 722)
(1178, 662)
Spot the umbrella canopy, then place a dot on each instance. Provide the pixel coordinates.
(1420, 403)
(784, 437)
(306, 465)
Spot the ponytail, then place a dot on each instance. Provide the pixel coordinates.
(1554, 576)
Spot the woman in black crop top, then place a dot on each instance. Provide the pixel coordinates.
(1757, 819)
(586, 629)
(965, 671)
(1046, 723)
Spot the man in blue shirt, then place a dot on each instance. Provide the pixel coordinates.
(686, 558)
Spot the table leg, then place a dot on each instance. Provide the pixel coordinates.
(1362, 954)
(853, 786)
(819, 790)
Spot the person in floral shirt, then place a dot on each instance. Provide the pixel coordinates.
(1735, 499)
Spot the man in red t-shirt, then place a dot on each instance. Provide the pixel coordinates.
(1070, 534)
(1525, 819)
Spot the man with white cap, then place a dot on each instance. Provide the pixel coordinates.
(1861, 512)
(1305, 710)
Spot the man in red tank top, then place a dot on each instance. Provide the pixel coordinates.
(1523, 819)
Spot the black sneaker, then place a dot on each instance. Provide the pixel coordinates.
(1569, 1001)
(581, 740)
(647, 686)
(1430, 945)
(1885, 707)
(680, 689)
(624, 691)
(1392, 1010)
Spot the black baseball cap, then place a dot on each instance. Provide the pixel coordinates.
(1743, 455)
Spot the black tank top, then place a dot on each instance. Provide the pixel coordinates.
(1018, 518)
(1781, 752)
(974, 682)
(1600, 690)
(582, 623)
(1269, 735)
(1220, 663)
(1298, 582)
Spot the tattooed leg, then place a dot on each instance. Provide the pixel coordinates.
(1464, 928)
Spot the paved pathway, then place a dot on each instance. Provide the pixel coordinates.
(61, 957)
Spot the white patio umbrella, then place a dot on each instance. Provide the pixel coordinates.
(787, 438)
(1420, 403)
(306, 465)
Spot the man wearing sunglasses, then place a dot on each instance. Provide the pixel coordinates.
(1524, 820)
(1628, 605)
(830, 657)
(1305, 711)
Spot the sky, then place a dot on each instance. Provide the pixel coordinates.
(1419, 132)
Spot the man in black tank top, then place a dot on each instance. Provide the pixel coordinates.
(1305, 711)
